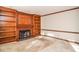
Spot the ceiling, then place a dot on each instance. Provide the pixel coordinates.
(40, 10)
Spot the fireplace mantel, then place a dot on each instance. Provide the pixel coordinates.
(24, 26)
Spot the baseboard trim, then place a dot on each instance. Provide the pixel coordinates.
(61, 39)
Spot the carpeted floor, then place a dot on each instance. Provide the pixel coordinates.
(41, 44)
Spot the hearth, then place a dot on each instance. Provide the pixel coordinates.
(23, 34)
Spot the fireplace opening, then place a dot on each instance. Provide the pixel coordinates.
(23, 34)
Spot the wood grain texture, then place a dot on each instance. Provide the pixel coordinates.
(7, 25)
(36, 25)
(14, 21)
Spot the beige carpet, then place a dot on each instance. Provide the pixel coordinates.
(34, 44)
(43, 44)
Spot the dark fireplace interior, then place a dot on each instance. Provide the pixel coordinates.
(23, 34)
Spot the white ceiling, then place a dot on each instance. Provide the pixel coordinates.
(40, 10)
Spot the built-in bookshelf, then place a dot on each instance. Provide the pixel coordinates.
(36, 25)
(7, 25)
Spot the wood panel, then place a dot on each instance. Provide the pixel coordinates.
(11, 21)
(7, 28)
(7, 39)
(7, 25)
(7, 9)
(24, 19)
(3, 23)
(36, 25)
(5, 13)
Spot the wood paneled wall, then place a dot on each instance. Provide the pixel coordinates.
(7, 25)
(36, 25)
(11, 21)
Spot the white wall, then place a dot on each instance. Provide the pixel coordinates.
(66, 21)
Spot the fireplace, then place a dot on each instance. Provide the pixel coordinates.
(23, 34)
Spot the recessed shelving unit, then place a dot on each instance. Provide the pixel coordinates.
(36, 25)
(7, 25)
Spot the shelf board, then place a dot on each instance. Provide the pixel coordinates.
(7, 15)
(7, 31)
(23, 25)
(7, 26)
(7, 36)
(6, 21)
